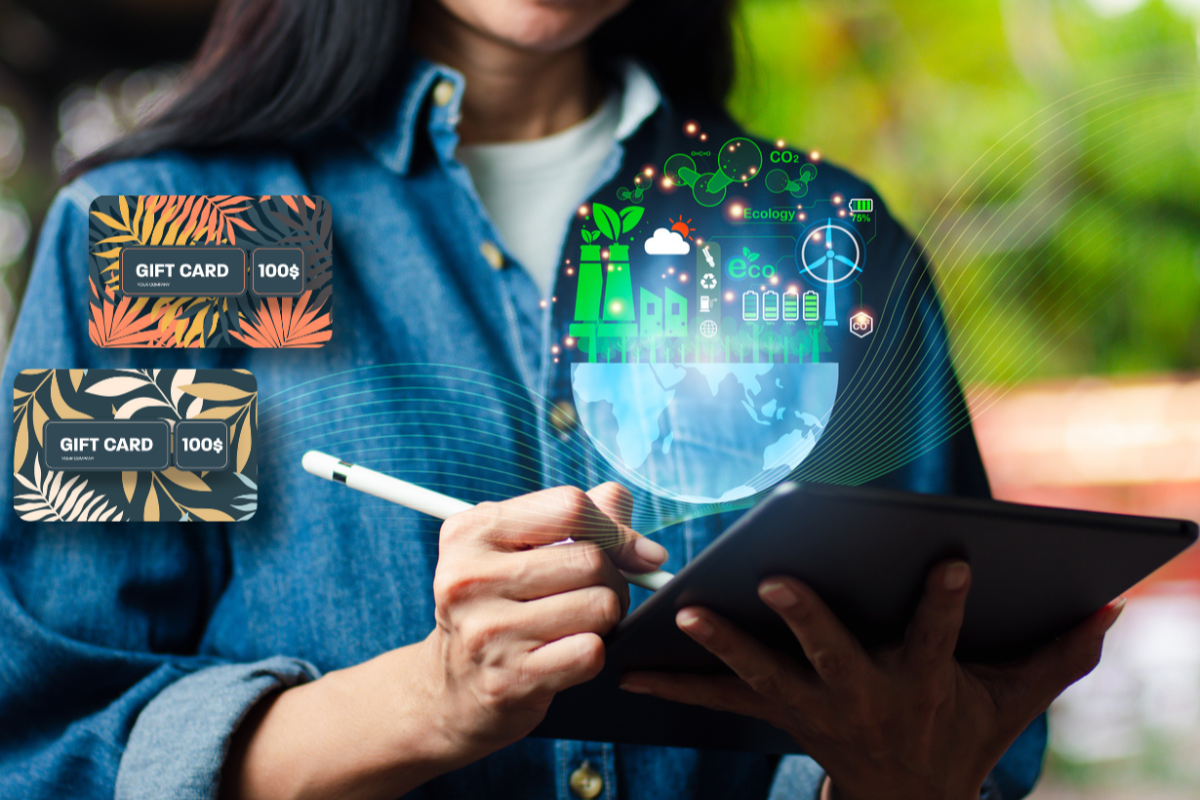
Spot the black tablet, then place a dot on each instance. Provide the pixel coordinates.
(1036, 572)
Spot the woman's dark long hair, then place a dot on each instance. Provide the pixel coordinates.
(269, 70)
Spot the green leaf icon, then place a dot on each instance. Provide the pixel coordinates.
(607, 220)
(630, 217)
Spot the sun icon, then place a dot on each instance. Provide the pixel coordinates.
(684, 229)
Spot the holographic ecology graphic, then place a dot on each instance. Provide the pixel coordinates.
(699, 364)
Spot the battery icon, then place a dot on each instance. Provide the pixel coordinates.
(861, 205)
(811, 309)
(750, 306)
(791, 307)
(770, 306)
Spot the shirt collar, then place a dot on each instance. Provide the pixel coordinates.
(640, 97)
(389, 129)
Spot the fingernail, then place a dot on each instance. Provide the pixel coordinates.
(1118, 607)
(777, 594)
(650, 550)
(956, 576)
(694, 624)
(633, 686)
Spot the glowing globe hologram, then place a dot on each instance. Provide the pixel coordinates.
(687, 395)
(704, 432)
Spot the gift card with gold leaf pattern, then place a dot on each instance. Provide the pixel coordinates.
(105, 445)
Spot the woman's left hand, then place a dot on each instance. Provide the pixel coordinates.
(904, 722)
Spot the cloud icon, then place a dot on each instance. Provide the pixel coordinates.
(667, 243)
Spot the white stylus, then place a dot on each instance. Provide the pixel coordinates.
(418, 498)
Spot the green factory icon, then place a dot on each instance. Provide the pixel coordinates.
(606, 316)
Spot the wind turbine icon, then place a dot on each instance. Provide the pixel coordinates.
(840, 269)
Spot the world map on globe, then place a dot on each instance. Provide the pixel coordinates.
(704, 432)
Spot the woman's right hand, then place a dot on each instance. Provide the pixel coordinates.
(516, 622)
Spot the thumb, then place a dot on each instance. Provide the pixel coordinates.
(633, 551)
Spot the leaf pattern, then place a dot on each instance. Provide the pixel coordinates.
(115, 222)
(50, 499)
(48, 496)
(247, 502)
(286, 324)
(121, 323)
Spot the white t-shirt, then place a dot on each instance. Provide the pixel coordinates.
(531, 189)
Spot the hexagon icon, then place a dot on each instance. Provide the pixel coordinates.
(862, 324)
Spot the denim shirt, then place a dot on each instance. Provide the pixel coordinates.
(131, 651)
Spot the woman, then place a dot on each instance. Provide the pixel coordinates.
(292, 656)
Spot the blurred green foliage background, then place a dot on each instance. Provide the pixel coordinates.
(1047, 152)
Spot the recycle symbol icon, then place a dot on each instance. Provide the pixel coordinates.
(709, 281)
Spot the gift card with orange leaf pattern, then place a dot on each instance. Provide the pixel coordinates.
(210, 271)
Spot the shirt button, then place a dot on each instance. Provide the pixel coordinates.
(492, 255)
(585, 782)
(564, 417)
(443, 93)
